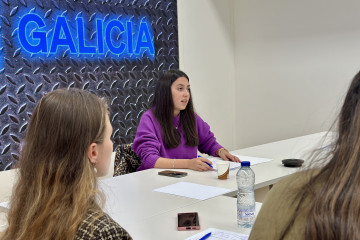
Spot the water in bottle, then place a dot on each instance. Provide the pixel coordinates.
(245, 178)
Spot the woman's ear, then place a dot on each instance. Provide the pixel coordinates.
(93, 153)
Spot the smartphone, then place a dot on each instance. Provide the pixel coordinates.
(170, 173)
(188, 221)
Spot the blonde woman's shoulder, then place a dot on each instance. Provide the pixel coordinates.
(101, 226)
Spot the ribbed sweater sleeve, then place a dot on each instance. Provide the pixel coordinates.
(207, 140)
(147, 143)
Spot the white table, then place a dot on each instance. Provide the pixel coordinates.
(145, 213)
(300, 147)
(131, 201)
(265, 173)
(131, 197)
(218, 212)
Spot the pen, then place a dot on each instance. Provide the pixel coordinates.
(206, 162)
(205, 236)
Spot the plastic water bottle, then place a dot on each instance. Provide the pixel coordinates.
(245, 178)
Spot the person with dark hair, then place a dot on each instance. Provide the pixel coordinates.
(321, 202)
(170, 133)
(67, 144)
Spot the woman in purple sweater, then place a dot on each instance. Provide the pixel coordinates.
(170, 133)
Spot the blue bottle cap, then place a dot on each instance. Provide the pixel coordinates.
(245, 164)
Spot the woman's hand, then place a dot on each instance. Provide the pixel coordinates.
(225, 155)
(199, 164)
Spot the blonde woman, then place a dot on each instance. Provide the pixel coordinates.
(66, 146)
(320, 202)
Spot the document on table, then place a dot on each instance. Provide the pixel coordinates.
(234, 165)
(217, 234)
(5, 204)
(193, 190)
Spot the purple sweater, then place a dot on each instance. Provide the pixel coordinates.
(149, 142)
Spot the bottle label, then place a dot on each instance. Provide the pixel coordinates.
(246, 214)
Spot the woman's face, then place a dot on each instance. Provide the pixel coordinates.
(180, 91)
(105, 150)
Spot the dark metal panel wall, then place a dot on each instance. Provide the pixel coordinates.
(128, 84)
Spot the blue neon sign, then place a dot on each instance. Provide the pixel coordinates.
(1, 53)
(128, 38)
(1, 58)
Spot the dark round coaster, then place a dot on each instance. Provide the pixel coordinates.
(292, 162)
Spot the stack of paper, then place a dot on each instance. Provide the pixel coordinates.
(5, 204)
(234, 165)
(217, 234)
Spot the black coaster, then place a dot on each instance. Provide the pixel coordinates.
(293, 162)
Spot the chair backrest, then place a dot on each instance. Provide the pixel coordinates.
(126, 160)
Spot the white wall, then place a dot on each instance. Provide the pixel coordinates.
(206, 52)
(266, 70)
(294, 61)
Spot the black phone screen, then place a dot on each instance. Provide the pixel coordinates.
(188, 219)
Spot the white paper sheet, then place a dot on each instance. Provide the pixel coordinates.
(217, 234)
(193, 190)
(5, 204)
(234, 165)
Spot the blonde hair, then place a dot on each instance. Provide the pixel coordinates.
(57, 184)
(334, 209)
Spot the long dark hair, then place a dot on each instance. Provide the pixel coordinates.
(334, 213)
(163, 109)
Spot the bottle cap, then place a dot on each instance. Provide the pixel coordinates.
(245, 164)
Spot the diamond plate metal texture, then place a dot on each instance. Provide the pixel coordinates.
(128, 85)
